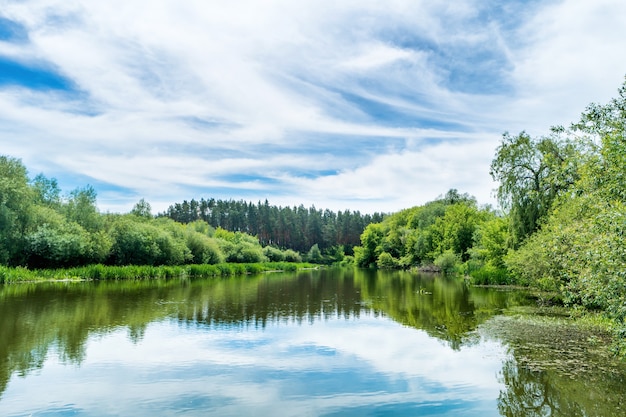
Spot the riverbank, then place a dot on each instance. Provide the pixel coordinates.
(108, 272)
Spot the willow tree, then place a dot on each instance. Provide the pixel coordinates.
(532, 173)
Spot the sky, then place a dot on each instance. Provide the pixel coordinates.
(363, 105)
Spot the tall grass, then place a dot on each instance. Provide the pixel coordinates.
(129, 272)
(490, 275)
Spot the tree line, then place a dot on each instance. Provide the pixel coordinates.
(296, 228)
(42, 228)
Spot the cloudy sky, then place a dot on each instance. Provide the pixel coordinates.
(363, 105)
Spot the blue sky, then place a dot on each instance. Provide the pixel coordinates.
(361, 105)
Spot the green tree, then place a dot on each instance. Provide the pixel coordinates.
(47, 191)
(367, 254)
(314, 255)
(142, 209)
(16, 199)
(81, 208)
(531, 174)
(490, 242)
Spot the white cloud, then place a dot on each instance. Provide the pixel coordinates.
(260, 369)
(172, 96)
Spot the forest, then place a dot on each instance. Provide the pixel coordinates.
(41, 228)
(296, 228)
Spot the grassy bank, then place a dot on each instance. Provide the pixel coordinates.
(104, 272)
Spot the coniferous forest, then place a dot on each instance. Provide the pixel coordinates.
(296, 228)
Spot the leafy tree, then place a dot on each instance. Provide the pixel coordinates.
(15, 210)
(448, 261)
(142, 209)
(367, 254)
(455, 230)
(292, 256)
(81, 208)
(532, 173)
(55, 242)
(314, 255)
(386, 261)
(47, 191)
(139, 243)
(239, 247)
(490, 242)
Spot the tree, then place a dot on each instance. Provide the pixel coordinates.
(142, 209)
(490, 242)
(367, 254)
(532, 173)
(314, 255)
(47, 191)
(16, 199)
(81, 208)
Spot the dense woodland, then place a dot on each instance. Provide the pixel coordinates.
(296, 228)
(42, 228)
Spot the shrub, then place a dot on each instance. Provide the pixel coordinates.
(448, 262)
(292, 256)
(386, 261)
(273, 254)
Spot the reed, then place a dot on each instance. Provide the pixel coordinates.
(99, 272)
(490, 275)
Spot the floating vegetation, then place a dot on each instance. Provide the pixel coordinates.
(547, 338)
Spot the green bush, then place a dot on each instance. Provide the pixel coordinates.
(448, 262)
(273, 254)
(292, 256)
(386, 261)
(204, 250)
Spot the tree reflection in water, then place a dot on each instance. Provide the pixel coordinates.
(551, 371)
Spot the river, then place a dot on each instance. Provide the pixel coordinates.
(329, 342)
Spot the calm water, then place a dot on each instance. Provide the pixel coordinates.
(315, 343)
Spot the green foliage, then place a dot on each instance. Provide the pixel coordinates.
(386, 261)
(81, 208)
(577, 249)
(314, 255)
(448, 262)
(297, 228)
(138, 243)
(419, 235)
(99, 272)
(490, 242)
(292, 256)
(47, 191)
(15, 210)
(532, 173)
(367, 254)
(204, 250)
(273, 254)
(142, 209)
(239, 247)
(489, 274)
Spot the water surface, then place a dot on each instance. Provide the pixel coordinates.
(314, 343)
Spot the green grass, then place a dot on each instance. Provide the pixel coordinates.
(490, 275)
(130, 272)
